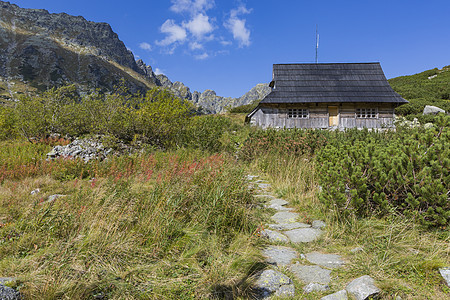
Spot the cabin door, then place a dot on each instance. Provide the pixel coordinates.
(333, 116)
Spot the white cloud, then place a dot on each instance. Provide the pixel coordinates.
(199, 26)
(195, 46)
(175, 33)
(192, 6)
(158, 71)
(225, 42)
(145, 46)
(237, 26)
(202, 56)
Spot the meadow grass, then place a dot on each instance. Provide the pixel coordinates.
(402, 256)
(174, 225)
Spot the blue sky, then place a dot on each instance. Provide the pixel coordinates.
(230, 46)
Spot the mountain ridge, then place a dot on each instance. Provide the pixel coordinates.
(41, 50)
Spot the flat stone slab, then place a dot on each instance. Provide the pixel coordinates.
(271, 281)
(341, 295)
(318, 224)
(362, 287)
(264, 196)
(264, 186)
(311, 274)
(278, 204)
(279, 256)
(445, 273)
(330, 261)
(303, 235)
(277, 201)
(288, 226)
(285, 291)
(284, 217)
(281, 208)
(315, 287)
(274, 236)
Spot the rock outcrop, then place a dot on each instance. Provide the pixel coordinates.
(40, 50)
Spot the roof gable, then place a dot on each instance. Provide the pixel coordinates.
(331, 82)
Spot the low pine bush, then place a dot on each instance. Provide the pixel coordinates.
(404, 172)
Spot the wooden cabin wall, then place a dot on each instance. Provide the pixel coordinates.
(275, 116)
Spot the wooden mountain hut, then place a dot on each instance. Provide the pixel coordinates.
(327, 95)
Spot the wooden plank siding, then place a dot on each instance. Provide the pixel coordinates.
(276, 116)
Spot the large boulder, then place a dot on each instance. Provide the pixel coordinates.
(432, 110)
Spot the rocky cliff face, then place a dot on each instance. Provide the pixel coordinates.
(39, 50)
(209, 100)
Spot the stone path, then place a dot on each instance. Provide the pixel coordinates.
(312, 269)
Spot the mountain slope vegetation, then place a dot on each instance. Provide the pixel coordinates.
(431, 87)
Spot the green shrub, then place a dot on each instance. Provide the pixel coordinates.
(7, 123)
(405, 172)
(295, 142)
(206, 132)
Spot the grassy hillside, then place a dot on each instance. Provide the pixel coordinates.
(430, 87)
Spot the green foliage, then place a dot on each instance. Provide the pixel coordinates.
(403, 172)
(295, 142)
(156, 118)
(7, 123)
(421, 91)
(206, 132)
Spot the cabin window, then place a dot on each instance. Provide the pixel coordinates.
(298, 113)
(370, 113)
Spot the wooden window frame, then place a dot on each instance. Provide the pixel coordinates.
(298, 113)
(366, 113)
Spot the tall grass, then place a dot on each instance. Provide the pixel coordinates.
(401, 255)
(153, 226)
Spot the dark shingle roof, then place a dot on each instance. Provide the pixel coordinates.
(338, 82)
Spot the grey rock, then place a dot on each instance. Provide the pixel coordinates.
(318, 224)
(357, 249)
(285, 291)
(54, 197)
(7, 293)
(288, 226)
(341, 295)
(264, 196)
(5, 280)
(284, 217)
(34, 192)
(274, 236)
(251, 177)
(363, 287)
(330, 261)
(264, 186)
(269, 282)
(303, 235)
(60, 49)
(432, 110)
(279, 256)
(445, 273)
(311, 274)
(315, 287)
(278, 202)
(428, 125)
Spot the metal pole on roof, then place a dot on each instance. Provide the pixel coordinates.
(317, 44)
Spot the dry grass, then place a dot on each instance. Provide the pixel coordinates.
(400, 255)
(157, 226)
